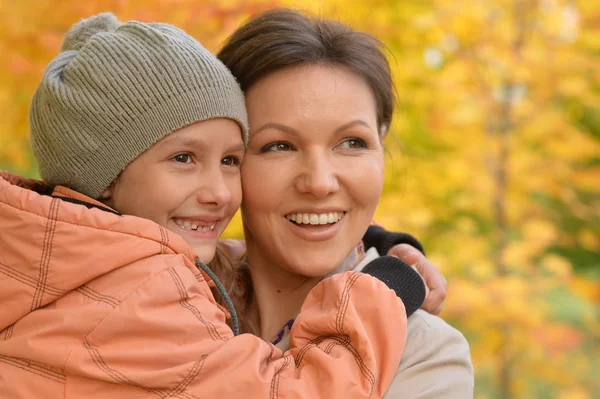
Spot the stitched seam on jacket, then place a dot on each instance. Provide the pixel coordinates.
(275, 380)
(163, 245)
(46, 254)
(34, 368)
(116, 375)
(44, 246)
(132, 292)
(49, 256)
(195, 370)
(183, 301)
(103, 229)
(368, 374)
(28, 280)
(311, 344)
(9, 332)
(343, 339)
(272, 347)
(50, 290)
(344, 303)
(95, 295)
(330, 346)
(121, 378)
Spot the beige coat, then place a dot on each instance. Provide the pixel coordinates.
(436, 363)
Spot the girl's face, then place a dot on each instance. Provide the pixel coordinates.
(188, 182)
(313, 172)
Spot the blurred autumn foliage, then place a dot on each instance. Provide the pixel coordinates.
(494, 158)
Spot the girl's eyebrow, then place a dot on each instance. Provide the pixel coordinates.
(186, 141)
(239, 147)
(190, 142)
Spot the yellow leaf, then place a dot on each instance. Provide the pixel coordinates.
(557, 265)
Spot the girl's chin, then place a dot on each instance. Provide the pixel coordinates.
(205, 258)
(205, 253)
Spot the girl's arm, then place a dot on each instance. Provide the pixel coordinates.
(169, 338)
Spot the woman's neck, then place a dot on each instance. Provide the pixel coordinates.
(277, 293)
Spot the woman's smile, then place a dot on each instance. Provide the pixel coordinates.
(316, 231)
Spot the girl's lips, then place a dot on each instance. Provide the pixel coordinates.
(316, 232)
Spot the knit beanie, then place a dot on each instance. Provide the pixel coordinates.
(115, 90)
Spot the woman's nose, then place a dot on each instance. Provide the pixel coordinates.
(317, 176)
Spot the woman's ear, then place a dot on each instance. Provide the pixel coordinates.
(383, 130)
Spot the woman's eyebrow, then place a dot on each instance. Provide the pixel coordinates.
(294, 132)
(278, 126)
(352, 124)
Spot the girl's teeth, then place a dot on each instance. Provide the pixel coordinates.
(190, 226)
(314, 218)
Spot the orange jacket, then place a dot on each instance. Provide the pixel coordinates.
(98, 305)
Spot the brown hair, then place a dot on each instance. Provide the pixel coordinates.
(235, 278)
(284, 38)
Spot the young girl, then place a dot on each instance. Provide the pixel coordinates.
(139, 133)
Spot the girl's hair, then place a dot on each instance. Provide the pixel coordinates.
(234, 276)
(284, 38)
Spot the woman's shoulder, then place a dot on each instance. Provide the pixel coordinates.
(422, 322)
(430, 335)
(436, 362)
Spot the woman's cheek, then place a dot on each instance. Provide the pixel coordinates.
(366, 178)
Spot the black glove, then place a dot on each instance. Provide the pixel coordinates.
(400, 277)
(383, 240)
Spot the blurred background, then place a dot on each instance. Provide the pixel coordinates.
(493, 158)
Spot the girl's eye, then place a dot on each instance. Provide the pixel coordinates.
(353, 144)
(231, 161)
(276, 147)
(182, 158)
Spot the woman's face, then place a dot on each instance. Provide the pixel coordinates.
(188, 182)
(313, 172)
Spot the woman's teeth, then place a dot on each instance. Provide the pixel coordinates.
(191, 226)
(315, 218)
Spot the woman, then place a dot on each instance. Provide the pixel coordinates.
(320, 101)
(139, 133)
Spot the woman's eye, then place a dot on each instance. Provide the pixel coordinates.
(353, 144)
(276, 147)
(231, 161)
(182, 158)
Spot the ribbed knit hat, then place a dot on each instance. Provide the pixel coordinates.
(115, 90)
